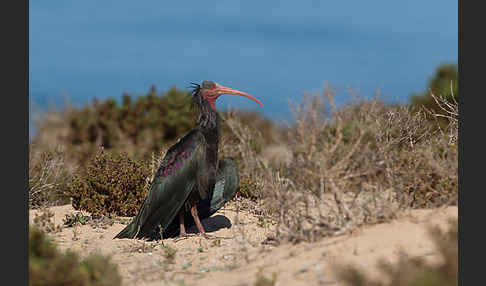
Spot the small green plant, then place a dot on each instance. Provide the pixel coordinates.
(261, 280)
(169, 253)
(77, 218)
(49, 266)
(248, 189)
(216, 242)
(261, 221)
(113, 184)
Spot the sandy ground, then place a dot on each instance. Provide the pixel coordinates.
(238, 255)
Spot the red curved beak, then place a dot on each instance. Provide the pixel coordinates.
(226, 90)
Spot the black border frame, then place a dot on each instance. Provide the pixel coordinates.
(461, 182)
(15, 118)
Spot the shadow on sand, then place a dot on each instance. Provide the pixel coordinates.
(210, 224)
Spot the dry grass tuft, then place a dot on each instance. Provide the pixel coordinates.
(49, 176)
(450, 111)
(44, 223)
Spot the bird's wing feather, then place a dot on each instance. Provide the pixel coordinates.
(227, 182)
(172, 184)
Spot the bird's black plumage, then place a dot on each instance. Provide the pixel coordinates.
(227, 182)
(186, 179)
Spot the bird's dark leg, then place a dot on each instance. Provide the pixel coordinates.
(182, 233)
(181, 222)
(161, 233)
(198, 222)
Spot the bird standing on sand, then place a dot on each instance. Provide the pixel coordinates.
(190, 179)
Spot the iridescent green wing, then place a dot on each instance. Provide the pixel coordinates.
(226, 186)
(172, 184)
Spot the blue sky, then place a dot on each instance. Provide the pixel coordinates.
(274, 50)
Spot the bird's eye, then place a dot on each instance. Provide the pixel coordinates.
(207, 84)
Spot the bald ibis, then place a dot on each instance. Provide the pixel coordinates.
(190, 181)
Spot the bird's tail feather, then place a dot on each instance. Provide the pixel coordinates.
(131, 230)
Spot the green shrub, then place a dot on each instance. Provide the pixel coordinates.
(247, 188)
(73, 219)
(113, 184)
(50, 267)
(444, 83)
(141, 123)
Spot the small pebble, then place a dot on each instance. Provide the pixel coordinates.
(303, 270)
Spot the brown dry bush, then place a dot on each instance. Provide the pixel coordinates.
(335, 181)
(419, 159)
(359, 164)
(43, 221)
(49, 176)
(449, 111)
(244, 144)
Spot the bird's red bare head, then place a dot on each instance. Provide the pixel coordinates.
(212, 90)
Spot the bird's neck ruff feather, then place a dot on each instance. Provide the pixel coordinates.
(207, 118)
(208, 124)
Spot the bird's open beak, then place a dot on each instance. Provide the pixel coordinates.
(226, 90)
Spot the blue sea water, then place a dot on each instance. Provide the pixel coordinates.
(276, 51)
